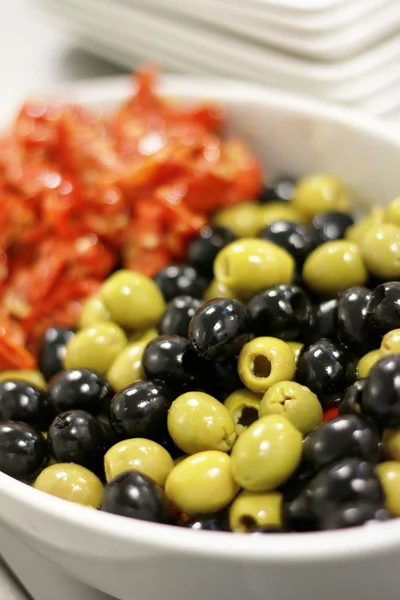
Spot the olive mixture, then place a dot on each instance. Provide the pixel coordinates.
(255, 388)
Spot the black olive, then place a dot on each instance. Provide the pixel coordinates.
(353, 328)
(180, 281)
(203, 249)
(177, 316)
(23, 450)
(219, 329)
(141, 409)
(326, 319)
(76, 436)
(354, 514)
(166, 441)
(349, 480)
(383, 308)
(163, 360)
(80, 389)
(209, 522)
(22, 401)
(381, 395)
(283, 311)
(325, 367)
(133, 494)
(351, 402)
(296, 514)
(224, 378)
(347, 436)
(298, 240)
(331, 225)
(52, 350)
(266, 529)
(280, 189)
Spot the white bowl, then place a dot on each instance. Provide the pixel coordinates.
(135, 560)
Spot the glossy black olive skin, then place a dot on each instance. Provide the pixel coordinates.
(203, 249)
(180, 281)
(381, 396)
(347, 436)
(132, 494)
(296, 514)
(80, 389)
(383, 308)
(225, 379)
(52, 350)
(349, 480)
(355, 514)
(283, 311)
(208, 522)
(179, 312)
(298, 240)
(76, 436)
(163, 360)
(141, 409)
(351, 402)
(23, 450)
(22, 401)
(325, 367)
(353, 327)
(280, 189)
(326, 319)
(219, 329)
(331, 225)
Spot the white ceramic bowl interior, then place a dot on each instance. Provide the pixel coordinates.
(135, 560)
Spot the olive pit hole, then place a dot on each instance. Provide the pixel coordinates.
(248, 522)
(261, 366)
(248, 417)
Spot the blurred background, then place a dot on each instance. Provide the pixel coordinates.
(342, 52)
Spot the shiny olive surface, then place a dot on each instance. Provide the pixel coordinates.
(203, 249)
(80, 389)
(219, 329)
(23, 450)
(332, 225)
(383, 308)
(280, 189)
(141, 409)
(324, 366)
(326, 319)
(22, 401)
(71, 482)
(133, 494)
(353, 327)
(176, 319)
(381, 396)
(177, 281)
(163, 359)
(346, 436)
(208, 522)
(299, 240)
(354, 514)
(351, 402)
(283, 311)
(52, 350)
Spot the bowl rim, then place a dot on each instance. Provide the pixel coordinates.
(319, 546)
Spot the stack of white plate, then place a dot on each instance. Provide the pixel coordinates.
(341, 51)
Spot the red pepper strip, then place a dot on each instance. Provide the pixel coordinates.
(331, 413)
(14, 356)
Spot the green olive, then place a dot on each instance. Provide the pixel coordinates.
(366, 363)
(138, 454)
(380, 250)
(250, 265)
(95, 348)
(391, 342)
(391, 444)
(127, 366)
(243, 219)
(355, 233)
(134, 300)
(93, 312)
(296, 348)
(334, 267)
(266, 454)
(296, 402)
(389, 476)
(320, 193)
(141, 336)
(197, 422)
(243, 406)
(71, 482)
(216, 289)
(202, 483)
(254, 508)
(265, 361)
(392, 212)
(280, 211)
(33, 377)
